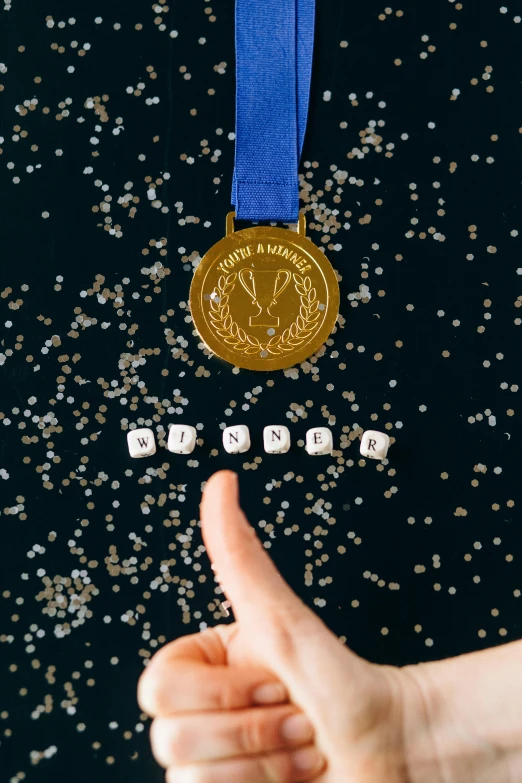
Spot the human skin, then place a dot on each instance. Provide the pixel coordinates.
(452, 721)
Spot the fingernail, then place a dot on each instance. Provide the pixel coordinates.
(297, 728)
(308, 759)
(269, 693)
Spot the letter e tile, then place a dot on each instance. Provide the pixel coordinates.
(319, 440)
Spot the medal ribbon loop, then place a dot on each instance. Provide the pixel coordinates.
(274, 47)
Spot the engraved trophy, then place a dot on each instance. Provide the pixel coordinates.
(265, 287)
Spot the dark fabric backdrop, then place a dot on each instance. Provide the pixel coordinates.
(413, 136)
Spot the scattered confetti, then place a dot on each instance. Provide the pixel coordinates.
(117, 148)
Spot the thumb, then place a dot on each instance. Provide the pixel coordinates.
(287, 636)
(242, 566)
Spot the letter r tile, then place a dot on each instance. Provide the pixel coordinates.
(374, 444)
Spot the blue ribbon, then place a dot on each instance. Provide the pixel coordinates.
(274, 47)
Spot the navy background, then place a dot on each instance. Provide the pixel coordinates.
(432, 275)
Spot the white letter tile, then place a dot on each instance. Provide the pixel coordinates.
(374, 444)
(236, 439)
(141, 442)
(182, 439)
(276, 439)
(319, 441)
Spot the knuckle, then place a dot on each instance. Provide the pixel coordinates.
(260, 732)
(169, 742)
(150, 690)
(179, 743)
(251, 736)
(145, 693)
(174, 775)
(157, 743)
(165, 653)
(276, 768)
(187, 775)
(227, 695)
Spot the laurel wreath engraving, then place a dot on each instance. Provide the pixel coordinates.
(301, 329)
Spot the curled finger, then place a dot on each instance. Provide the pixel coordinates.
(281, 766)
(211, 736)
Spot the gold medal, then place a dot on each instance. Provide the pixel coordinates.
(264, 298)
